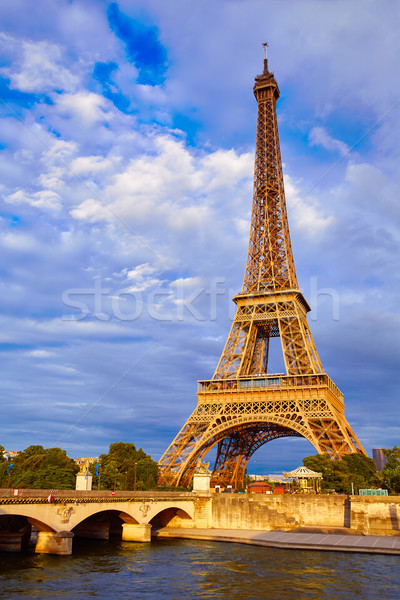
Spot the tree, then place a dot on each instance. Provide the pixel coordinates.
(339, 475)
(391, 470)
(40, 468)
(125, 468)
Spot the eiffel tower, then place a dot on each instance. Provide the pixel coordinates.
(243, 407)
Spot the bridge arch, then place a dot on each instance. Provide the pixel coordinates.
(103, 523)
(173, 516)
(103, 513)
(24, 514)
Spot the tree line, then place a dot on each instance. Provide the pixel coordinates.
(122, 468)
(356, 471)
(126, 468)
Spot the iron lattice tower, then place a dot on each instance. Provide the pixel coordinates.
(242, 407)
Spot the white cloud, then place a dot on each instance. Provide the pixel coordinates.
(87, 165)
(91, 210)
(305, 213)
(187, 283)
(59, 150)
(37, 66)
(226, 168)
(40, 353)
(59, 369)
(320, 137)
(142, 278)
(86, 108)
(45, 199)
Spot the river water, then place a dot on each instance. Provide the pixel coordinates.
(188, 569)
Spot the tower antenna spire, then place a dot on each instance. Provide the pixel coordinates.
(265, 57)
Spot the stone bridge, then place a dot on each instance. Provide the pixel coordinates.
(69, 513)
(135, 516)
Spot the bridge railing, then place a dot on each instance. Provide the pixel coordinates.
(269, 382)
(30, 496)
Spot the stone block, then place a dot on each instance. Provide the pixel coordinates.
(132, 532)
(54, 542)
(10, 542)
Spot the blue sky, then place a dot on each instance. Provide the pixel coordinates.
(126, 159)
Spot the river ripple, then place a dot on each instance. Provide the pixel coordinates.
(189, 569)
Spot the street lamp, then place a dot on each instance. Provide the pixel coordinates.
(126, 473)
(134, 486)
(115, 478)
(255, 470)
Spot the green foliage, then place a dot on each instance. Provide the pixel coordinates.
(174, 488)
(246, 482)
(39, 468)
(338, 475)
(391, 470)
(125, 468)
(4, 473)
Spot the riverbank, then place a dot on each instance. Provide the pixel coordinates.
(332, 540)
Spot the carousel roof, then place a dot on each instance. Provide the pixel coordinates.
(303, 473)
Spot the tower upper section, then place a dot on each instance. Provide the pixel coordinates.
(270, 266)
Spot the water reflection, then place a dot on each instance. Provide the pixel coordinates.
(187, 569)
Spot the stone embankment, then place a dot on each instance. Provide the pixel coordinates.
(371, 515)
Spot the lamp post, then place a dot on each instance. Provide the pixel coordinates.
(126, 473)
(134, 485)
(255, 470)
(115, 478)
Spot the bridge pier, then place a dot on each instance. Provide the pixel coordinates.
(132, 532)
(10, 541)
(50, 542)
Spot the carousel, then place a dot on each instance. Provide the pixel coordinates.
(304, 481)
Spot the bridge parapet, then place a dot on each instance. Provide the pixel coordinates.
(89, 496)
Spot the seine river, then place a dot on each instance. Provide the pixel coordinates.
(187, 569)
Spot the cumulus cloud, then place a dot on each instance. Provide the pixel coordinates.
(86, 107)
(37, 66)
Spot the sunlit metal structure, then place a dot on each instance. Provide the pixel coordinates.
(243, 406)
